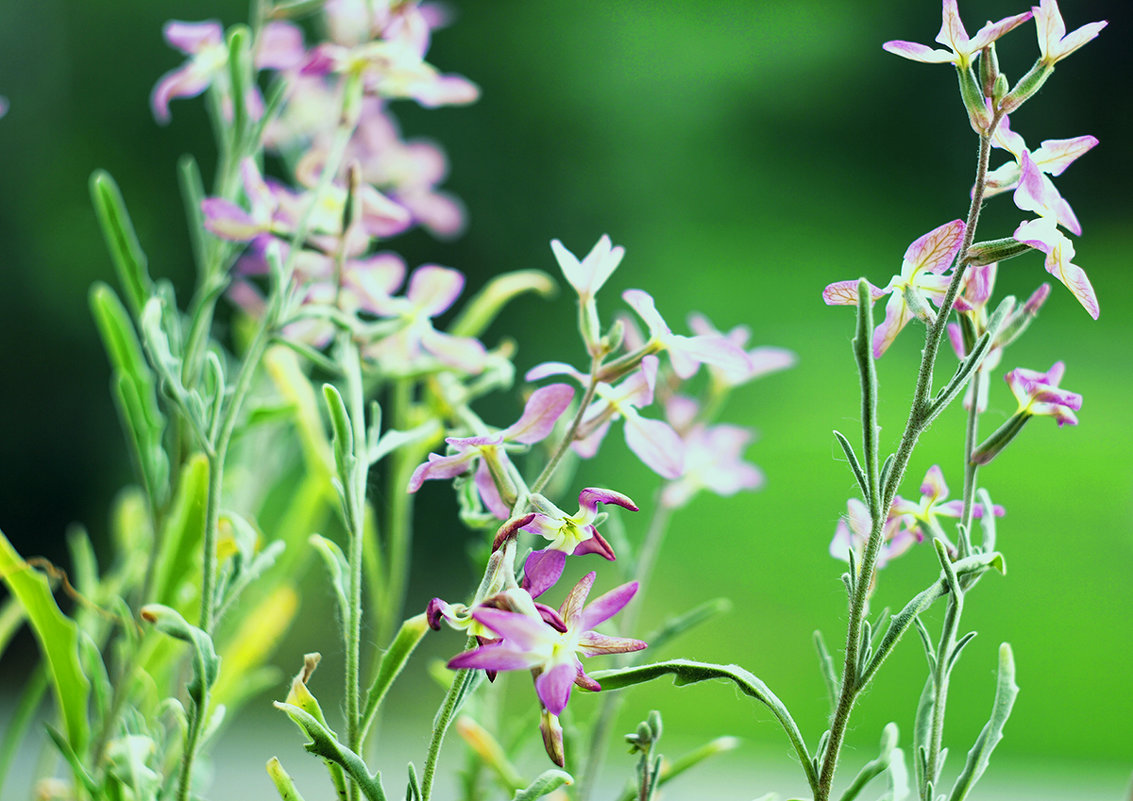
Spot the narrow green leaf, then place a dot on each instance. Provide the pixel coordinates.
(674, 627)
(183, 532)
(121, 241)
(957, 648)
(58, 640)
(343, 435)
(829, 673)
(1005, 693)
(283, 782)
(21, 718)
(394, 439)
(949, 569)
(391, 665)
(413, 788)
(335, 561)
(80, 773)
(485, 305)
(875, 767)
(688, 672)
(855, 465)
(547, 783)
(206, 664)
(899, 624)
(192, 193)
(926, 641)
(240, 79)
(325, 744)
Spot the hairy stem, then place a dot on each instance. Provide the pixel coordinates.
(914, 427)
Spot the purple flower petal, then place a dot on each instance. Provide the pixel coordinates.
(553, 687)
(571, 606)
(540, 413)
(496, 656)
(432, 289)
(596, 543)
(517, 629)
(605, 607)
(592, 643)
(541, 570)
(590, 497)
(191, 37)
(656, 444)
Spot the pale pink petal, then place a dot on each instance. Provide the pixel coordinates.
(489, 493)
(845, 293)
(541, 371)
(463, 353)
(993, 30)
(441, 467)
(935, 251)
(496, 656)
(896, 317)
(588, 446)
(606, 606)
(540, 413)
(517, 629)
(191, 37)
(933, 484)
(280, 46)
(591, 643)
(642, 303)
(918, 52)
(656, 444)
(184, 82)
(432, 288)
(1055, 155)
(229, 221)
(952, 32)
(1081, 36)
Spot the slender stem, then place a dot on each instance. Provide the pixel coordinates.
(971, 437)
(441, 726)
(568, 438)
(600, 733)
(914, 427)
(940, 682)
(399, 511)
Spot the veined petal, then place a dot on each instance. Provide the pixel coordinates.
(919, 52)
(935, 251)
(517, 629)
(933, 485)
(546, 369)
(191, 37)
(845, 293)
(952, 32)
(540, 413)
(993, 30)
(441, 467)
(592, 643)
(642, 303)
(595, 543)
(553, 687)
(688, 353)
(489, 492)
(576, 598)
(896, 317)
(1055, 155)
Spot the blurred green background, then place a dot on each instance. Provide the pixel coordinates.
(745, 154)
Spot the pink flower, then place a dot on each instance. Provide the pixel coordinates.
(548, 643)
(1054, 43)
(852, 534)
(713, 461)
(432, 290)
(952, 34)
(653, 441)
(686, 353)
(588, 276)
(1039, 394)
(204, 43)
(760, 360)
(923, 514)
(922, 276)
(569, 534)
(1052, 157)
(542, 409)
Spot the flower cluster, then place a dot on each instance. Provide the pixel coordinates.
(626, 376)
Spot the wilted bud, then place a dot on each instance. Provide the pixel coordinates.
(552, 737)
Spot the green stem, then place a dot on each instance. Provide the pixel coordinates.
(441, 726)
(971, 437)
(611, 702)
(399, 511)
(568, 438)
(914, 427)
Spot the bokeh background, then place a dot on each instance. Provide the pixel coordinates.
(745, 154)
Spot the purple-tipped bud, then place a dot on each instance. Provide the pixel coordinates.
(1037, 299)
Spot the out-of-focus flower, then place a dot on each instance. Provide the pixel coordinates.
(569, 534)
(653, 441)
(713, 461)
(3, 105)
(917, 516)
(1054, 43)
(852, 534)
(760, 360)
(686, 353)
(922, 276)
(542, 409)
(432, 290)
(549, 644)
(952, 35)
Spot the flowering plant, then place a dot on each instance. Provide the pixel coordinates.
(313, 177)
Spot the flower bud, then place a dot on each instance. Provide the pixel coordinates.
(552, 737)
(1028, 85)
(978, 112)
(1037, 299)
(993, 250)
(991, 446)
(989, 69)
(999, 90)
